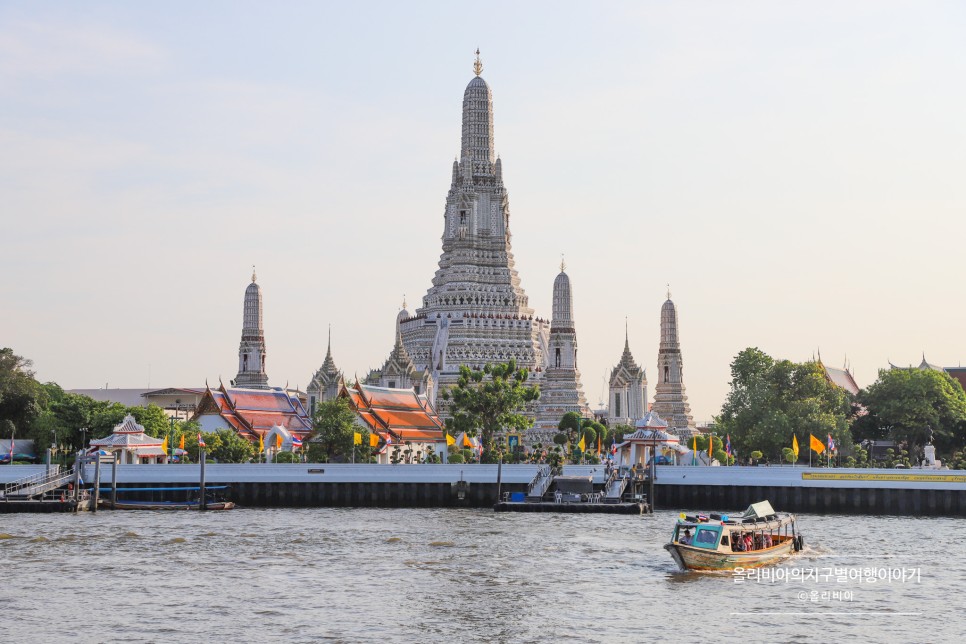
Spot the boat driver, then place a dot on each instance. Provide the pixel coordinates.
(686, 539)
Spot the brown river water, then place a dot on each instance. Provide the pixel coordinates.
(364, 575)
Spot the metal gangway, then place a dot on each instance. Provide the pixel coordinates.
(37, 484)
(614, 487)
(540, 484)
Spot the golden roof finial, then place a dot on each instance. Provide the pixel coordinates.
(253, 272)
(669, 291)
(478, 64)
(563, 265)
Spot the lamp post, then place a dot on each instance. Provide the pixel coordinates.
(83, 438)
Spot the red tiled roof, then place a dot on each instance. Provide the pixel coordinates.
(401, 411)
(254, 412)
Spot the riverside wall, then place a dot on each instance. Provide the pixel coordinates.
(793, 489)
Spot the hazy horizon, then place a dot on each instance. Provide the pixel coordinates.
(794, 172)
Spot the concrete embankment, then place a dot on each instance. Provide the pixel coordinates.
(792, 489)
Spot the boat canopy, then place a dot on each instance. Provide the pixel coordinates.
(759, 510)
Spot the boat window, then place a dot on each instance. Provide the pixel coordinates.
(706, 538)
(724, 540)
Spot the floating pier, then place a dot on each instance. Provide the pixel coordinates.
(572, 508)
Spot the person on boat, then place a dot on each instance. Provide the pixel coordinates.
(749, 542)
(737, 542)
(686, 538)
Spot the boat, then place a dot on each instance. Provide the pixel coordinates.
(720, 542)
(166, 505)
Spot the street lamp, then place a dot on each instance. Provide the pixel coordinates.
(83, 438)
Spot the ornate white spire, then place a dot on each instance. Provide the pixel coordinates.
(670, 399)
(251, 350)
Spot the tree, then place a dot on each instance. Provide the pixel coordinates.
(772, 400)
(21, 397)
(156, 423)
(229, 447)
(333, 437)
(490, 401)
(907, 404)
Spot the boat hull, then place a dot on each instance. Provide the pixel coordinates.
(161, 505)
(691, 558)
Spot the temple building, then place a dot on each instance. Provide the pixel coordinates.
(476, 311)
(407, 426)
(251, 350)
(399, 372)
(325, 382)
(560, 388)
(252, 412)
(628, 389)
(132, 445)
(670, 399)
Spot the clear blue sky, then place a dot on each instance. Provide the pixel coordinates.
(793, 170)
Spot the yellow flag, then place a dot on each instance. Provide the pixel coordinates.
(795, 444)
(816, 444)
(278, 441)
(356, 438)
(450, 440)
(181, 444)
(373, 440)
(261, 443)
(582, 444)
(710, 446)
(164, 445)
(466, 441)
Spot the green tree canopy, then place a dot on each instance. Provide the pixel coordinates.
(772, 400)
(334, 433)
(490, 401)
(905, 404)
(21, 397)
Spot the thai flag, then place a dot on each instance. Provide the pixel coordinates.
(11, 449)
(728, 445)
(296, 441)
(831, 443)
(201, 441)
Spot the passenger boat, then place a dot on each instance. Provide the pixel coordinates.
(718, 542)
(166, 505)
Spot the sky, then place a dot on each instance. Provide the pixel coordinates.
(793, 172)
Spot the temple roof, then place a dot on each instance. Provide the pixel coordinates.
(128, 433)
(253, 412)
(402, 413)
(841, 378)
(627, 363)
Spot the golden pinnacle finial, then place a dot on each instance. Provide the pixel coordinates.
(478, 64)
(404, 300)
(563, 264)
(253, 272)
(669, 291)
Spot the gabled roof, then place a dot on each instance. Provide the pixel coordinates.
(253, 412)
(841, 378)
(401, 413)
(128, 433)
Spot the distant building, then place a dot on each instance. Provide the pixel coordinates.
(399, 372)
(560, 390)
(628, 389)
(670, 398)
(252, 412)
(131, 444)
(251, 349)
(325, 382)
(399, 417)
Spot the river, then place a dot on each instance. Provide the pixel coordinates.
(390, 575)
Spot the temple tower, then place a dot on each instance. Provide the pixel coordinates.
(476, 312)
(670, 399)
(324, 385)
(560, 388)
(251, 350)
(628, 389)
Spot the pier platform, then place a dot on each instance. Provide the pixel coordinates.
(571, 508)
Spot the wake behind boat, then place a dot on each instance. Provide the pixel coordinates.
(758, 537)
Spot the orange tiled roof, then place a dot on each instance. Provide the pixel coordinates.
(400, 412)
(253, 412)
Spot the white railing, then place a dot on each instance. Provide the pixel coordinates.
(540, 483)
